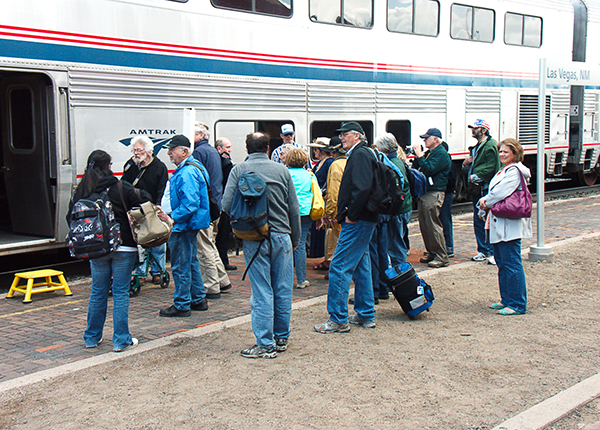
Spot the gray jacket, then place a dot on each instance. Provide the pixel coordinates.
(284, 213)
(502, 185)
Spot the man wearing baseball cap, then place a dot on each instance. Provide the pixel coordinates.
(435, 165)
(480, 166)
(351, 257)
(287, 135)
(188, 192)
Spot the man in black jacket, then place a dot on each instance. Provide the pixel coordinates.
(223, 238)
(146, 172)
(351, 258)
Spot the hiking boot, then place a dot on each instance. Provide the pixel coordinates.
(332, 327)
(354, 319)
(436, 264)
(281, 344)
(213, 296)
(260, 352)
(480, 257)
(172, 311)
(200, 306)
(226, 288)
(133, 344)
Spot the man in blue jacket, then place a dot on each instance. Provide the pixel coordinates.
(190, 211)
(351, 257)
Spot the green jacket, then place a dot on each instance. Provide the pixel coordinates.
(486, 162)
(407, 206)
(435, 164)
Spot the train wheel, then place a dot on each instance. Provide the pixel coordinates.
(134, 286)
(164, 280)
(588, 178)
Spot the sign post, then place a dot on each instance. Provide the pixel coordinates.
(554, 73)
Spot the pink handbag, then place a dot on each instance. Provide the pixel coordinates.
(518, 205)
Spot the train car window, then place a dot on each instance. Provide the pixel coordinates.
(522, 30)
(328, 129)
(400, 130)
(420, 17)
(282, 8)
(355, 13)
(472, 23)
(21, 124)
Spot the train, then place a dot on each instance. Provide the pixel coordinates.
(78, 75)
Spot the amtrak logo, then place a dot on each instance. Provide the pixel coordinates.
(157, 141)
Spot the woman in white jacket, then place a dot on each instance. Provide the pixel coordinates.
(506, 234)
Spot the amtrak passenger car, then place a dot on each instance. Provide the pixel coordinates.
(77, 75)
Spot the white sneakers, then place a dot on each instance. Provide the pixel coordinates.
(480, 257)
(302, 285)
(492, 260)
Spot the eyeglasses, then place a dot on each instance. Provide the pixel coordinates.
(346, 133)
(137, 150)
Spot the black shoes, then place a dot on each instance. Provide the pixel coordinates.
(213, 296)
(281, 344)
(226, 287)
(201, 306)
(229, 267)
(172, 311)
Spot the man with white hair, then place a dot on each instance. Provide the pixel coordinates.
(146, 172)
(435, 165)
(212, 268)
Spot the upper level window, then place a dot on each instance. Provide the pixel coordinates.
(268, 7)
(472, 23)
(414, 16)
(523, 30)
(355, 13)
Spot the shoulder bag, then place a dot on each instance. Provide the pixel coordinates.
(518, 205)
(317, 209)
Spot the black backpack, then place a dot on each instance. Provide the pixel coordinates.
(386, 196)
(93, 229)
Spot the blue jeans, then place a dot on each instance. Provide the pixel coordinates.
(300, 252)
(350, 261)
(271, 278)
(397, 231)
(378, 250)
(160, 254)
(511, 277)
(446, 219)
(116, 266)
(189, 288)
(483, 242)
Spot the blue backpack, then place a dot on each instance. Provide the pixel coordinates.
(417, 181)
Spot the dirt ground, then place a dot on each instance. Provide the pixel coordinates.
(460, 366)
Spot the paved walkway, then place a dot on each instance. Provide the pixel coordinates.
(48, 332)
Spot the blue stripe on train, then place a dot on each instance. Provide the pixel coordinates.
(78, 54)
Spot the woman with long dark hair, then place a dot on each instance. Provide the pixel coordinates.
(114, 269)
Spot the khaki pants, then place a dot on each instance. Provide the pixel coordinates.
(213, 271)
(331, 238)
(431, 226)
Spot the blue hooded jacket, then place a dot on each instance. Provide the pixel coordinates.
(189, 198)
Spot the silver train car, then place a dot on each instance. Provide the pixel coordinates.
(77, 75)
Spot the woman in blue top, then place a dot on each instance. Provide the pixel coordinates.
(296, 159)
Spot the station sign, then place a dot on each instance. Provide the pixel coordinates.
(572, 73)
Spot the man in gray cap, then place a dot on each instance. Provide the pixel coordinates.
(435, 165)
(351, 257)
(189, 210)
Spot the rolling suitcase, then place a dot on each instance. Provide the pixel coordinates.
(412, 293)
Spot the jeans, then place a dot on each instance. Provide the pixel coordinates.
(351, 261)
(483, 242)
(189, 288)
(271, 278)
(116, 266)
(160, 254)
(446, 219)
(300, 252)
(378, 250)
(511, 277)
(397, 233)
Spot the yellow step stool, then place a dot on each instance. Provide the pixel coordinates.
(38, 287)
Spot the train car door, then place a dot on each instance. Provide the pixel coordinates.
(26, 153)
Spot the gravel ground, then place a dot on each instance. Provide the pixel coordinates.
(460, 366)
